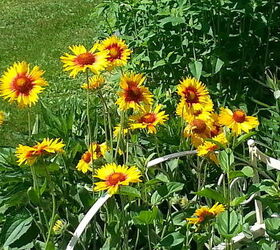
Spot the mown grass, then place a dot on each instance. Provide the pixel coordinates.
(39, 32)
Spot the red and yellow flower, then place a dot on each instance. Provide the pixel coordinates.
(204, 214)
(194, 95)
(117, 50)
(28, 155)
(83, 59)
(21, 84)
(133, 94)
(94, 152)
(237, 120)
(113, 176)
(148, 119)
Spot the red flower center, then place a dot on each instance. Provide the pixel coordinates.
(215, 131)
(191, 95)
(86, 157)
(133, 94)
(199, 126)
(23, 84)
(85, 59)
(239, 116)
(115, 178)
(148, 118)
(213, 148)
(115, 52)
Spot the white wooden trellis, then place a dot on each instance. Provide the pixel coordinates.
(257, 230)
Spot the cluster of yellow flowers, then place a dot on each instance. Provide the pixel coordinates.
(197, 109)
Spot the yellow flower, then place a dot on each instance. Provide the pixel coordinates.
(94, 82)
(94, 152)
(189, 113)
(199, 128)
(117, 50)
(21, 84)
(2, 117)
(204, 214)
(81, 60)
(194, 95)
(148, 119)
(133, 94)
(58, 226)
(209, 147)
(114, 175)
(117, 130)
(238, 121)
(28, 155)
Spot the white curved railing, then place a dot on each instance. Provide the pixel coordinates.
(100, 202)
(257, 230)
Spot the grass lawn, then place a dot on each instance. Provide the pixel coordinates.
(39, 32)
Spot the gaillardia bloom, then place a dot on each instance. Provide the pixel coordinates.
(189, 113)
(28, 155)
(94, 82)
(114, 175)
(117, 50)
(81, 60)
(204, 214)
(21, 84)
(2, 117)
(237, 120)
(194, 95)
(209, 146)
(148, 119)
(133, 94)
(94, 152)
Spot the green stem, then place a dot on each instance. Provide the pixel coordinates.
(120, 134)
(29, 125)
(52, 218)
(88, 117)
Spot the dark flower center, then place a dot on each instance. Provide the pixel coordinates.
(115, 178)
(85, 59)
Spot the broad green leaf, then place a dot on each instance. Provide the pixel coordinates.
(172, 239)
(226, 159)
(212, 194)
(248, 171)
(33, 195)
(228, 224)
(196, 69)
(272, 226)
(236, 201)
(17, 229)
(129, 191)
(146, 217)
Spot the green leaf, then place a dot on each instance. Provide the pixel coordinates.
(212, 194)
(228, 224)
(172, 239)
(218, 65)
(196, 69)
(165, 190)
(146, 217)
(248, 171)
(237, 173)
(129, 191)
(16, 230)
(33, 196)
(236, 201)
(272, 226)
(226, 159)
